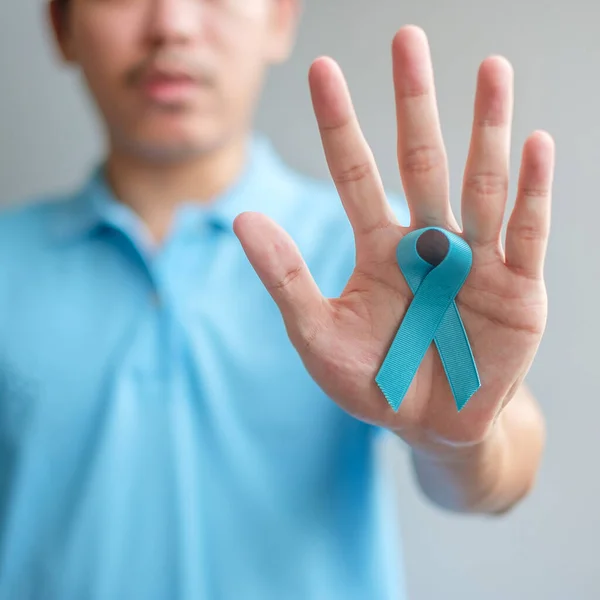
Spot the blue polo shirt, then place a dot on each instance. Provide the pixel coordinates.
(159, 436)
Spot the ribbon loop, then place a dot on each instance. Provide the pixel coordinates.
(431, 316)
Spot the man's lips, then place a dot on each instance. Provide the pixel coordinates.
(169, 88)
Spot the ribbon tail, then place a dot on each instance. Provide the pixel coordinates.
(400, 365)
(414, 337)
(457, 357)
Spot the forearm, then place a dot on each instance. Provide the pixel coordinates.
(494, 475)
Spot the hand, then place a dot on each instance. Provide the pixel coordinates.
(343, 341)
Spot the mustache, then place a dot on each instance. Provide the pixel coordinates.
(175, 64)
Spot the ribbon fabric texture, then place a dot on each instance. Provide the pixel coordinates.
(432, 316)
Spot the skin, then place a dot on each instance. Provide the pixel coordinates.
(159, 152)
(483, 459)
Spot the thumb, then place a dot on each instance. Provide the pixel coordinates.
(280, 266)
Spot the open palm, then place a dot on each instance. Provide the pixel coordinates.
(343, 341)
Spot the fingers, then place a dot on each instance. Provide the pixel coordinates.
(485, 183)
(529, 224)
(348, 155)
(421, 153)
(278, 263)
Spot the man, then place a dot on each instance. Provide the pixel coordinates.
(165, 434)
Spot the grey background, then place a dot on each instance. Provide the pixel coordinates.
(547, 548)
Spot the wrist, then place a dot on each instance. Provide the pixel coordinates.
(436, 449)
(466, 478)
(467, 452)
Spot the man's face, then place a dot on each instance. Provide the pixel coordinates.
(174, 78)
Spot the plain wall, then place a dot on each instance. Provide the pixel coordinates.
(547, 548)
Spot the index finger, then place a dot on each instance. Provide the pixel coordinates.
(349, 157)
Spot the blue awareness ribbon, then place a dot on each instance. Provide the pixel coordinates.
(431, 316)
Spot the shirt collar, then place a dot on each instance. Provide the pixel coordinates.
(264, 185)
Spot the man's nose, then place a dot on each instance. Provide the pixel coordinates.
(175, 20)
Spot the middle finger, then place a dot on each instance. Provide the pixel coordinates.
(421, 154)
